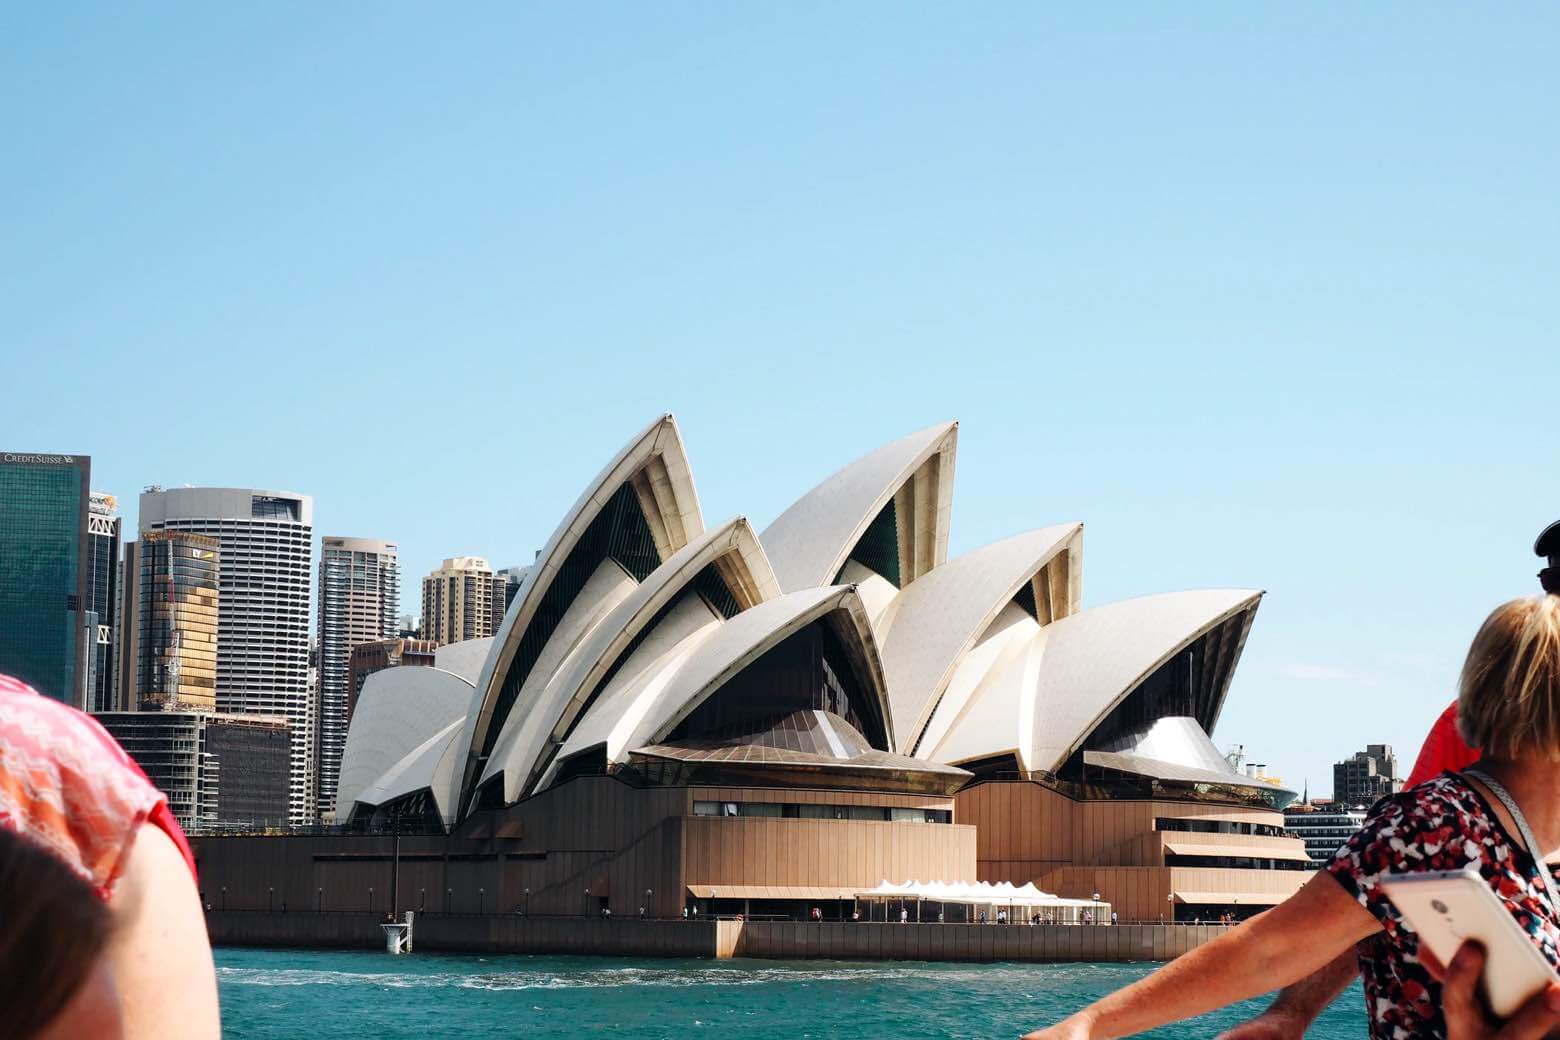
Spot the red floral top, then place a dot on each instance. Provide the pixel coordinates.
(1443, 824)
(67, 785)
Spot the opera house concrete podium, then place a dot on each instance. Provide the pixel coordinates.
(677, 716)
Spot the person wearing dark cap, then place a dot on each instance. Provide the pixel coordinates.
(1548, 546)
(1444, 750)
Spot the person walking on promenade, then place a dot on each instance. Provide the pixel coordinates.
(1444, 750)
(1505, 813)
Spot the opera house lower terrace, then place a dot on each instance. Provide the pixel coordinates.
(681, 717)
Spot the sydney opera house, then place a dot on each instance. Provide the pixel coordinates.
(677, 714)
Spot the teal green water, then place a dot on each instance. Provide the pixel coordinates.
(326, 994)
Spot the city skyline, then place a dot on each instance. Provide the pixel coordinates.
(1316, 777)
(320, 768)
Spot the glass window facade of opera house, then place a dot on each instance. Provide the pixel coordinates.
(681, 716)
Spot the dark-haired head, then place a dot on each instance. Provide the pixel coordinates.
(53, 930)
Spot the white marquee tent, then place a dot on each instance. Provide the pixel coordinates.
(1003, 895)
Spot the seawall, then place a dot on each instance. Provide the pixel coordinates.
(790, 940)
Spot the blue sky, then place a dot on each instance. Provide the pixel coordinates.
(1264, 297)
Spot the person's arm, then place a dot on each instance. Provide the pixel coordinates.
(1279, 947)
(1297, 1006)
(160, 955)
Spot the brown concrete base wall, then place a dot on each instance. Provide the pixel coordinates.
(802, 940)
(969, 942)
(617, 938)
(336, 931)
(459, 933)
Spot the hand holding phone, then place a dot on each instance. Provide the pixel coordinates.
(1449, 908)
(1466, 1016)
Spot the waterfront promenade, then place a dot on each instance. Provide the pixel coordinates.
(783, 940)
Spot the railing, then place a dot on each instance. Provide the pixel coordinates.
(751, 918)
(387, 829)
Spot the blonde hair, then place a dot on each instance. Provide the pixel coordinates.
(1508, 699)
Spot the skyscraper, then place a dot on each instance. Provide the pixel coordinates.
(266, 545)
(127, 661)
(43, 576)
(177, 620)
(463, 599)
(360, 594)
(1366, 776)
(102, 577)
(514, 577)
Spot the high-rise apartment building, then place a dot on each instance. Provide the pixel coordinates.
(265, 546)
(127, 624)
(360, 595)
(1366, 776)
(102, 565)
(514, 578)
(177, 621)
(43, 573)
(461, 600)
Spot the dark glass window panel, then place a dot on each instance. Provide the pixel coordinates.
(878, 547)
(807, 670)
(1026, 599)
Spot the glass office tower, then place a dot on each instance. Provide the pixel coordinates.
(177, 621)
(102, 568)
(43, 588)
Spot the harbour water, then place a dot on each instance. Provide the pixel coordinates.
(320, 995)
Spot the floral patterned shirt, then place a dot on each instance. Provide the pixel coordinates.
(1443, 824)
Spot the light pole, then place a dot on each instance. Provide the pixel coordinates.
(319, 900)
(395, 868)
(270, 899)
(370, 898)
(528, 902)
(649, 906)
(586, 912)
(481, 898)
(449, 897)
(224, 897)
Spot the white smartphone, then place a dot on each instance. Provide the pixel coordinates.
(1447, 908)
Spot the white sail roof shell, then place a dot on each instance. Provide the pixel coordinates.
(1043, 701)
(939, 618)
(428, 766)
(809, 542)
(679, 520)
(692, 666)
(464, 658)
(1096, 658)
(397, 711)
(521, 749)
